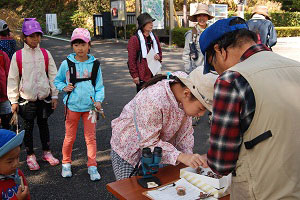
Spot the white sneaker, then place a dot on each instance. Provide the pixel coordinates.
(94, 174)
(66, 170)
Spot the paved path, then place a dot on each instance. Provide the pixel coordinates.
(48, 183)
(288, 47)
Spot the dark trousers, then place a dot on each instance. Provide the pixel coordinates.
(5, 119)
(29, 112)
(139, 86)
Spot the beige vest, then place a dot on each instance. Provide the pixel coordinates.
(271, 169)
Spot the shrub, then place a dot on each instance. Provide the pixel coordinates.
(178, 36)
(287, 31)
(130, 31)
(285, 19)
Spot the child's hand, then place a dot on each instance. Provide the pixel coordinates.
(22, 194)
(68, 88)
(54, 103)
(193, 160)
(98, 105)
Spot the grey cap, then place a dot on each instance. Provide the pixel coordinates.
(3, 25)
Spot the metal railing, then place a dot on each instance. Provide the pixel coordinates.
(98, 25)
(130, 19)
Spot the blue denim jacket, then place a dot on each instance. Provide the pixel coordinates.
(266, 30)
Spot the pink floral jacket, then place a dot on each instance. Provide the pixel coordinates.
(159, 122)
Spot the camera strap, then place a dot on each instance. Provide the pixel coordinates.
(139, 136)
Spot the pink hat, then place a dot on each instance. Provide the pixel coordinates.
(82, 34)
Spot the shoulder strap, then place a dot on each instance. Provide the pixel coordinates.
(19, 61)
(72, 71)
(139, 53)
(46, 59)
(95, 72)
(194, 34)
(138, 37)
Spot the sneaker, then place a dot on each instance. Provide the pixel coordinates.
(47, 156)
(94, 174)
(31, 162)
(66, 170)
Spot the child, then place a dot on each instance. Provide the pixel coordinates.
(30, 90)
(7, 43)
(5, 108)
(81, 78)
(160, 115)
(13, 184)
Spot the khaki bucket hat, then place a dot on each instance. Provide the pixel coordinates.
(262, 10)
(201, 86)
(201, 9)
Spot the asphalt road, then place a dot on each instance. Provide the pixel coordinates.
(47, 183)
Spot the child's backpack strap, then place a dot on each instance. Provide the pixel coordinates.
(74, 79)
(72, 71)
(95, 72)
(19, 60)
(46, 59)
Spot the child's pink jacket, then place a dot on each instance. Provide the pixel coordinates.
(34, 83)
(159, 118)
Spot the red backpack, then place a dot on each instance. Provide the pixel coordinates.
(19, 60)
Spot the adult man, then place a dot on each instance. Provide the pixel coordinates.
(261, 24)
(256, 111)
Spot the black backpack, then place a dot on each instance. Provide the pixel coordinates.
(74, 79)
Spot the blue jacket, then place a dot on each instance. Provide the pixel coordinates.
(8, 45)
(266, 30)
(80, 100)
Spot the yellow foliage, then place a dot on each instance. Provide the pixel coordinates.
(13, 21)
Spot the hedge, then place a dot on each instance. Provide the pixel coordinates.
(178, 34)
(287, 31)
(284, 19)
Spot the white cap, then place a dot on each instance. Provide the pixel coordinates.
(3, 25)
(201, 86)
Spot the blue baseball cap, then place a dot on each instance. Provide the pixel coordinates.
(9, 140)
(213, 33)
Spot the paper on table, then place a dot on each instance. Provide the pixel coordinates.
(170, 192)
(154, 65)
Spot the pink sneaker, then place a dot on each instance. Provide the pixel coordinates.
(31, 162)
(47, 156)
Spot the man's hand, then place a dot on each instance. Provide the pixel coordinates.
(54, 103)
(14, 107)
(136, 80)
(22, 194)
(193, 160)
(68, 88)
(156, 57)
